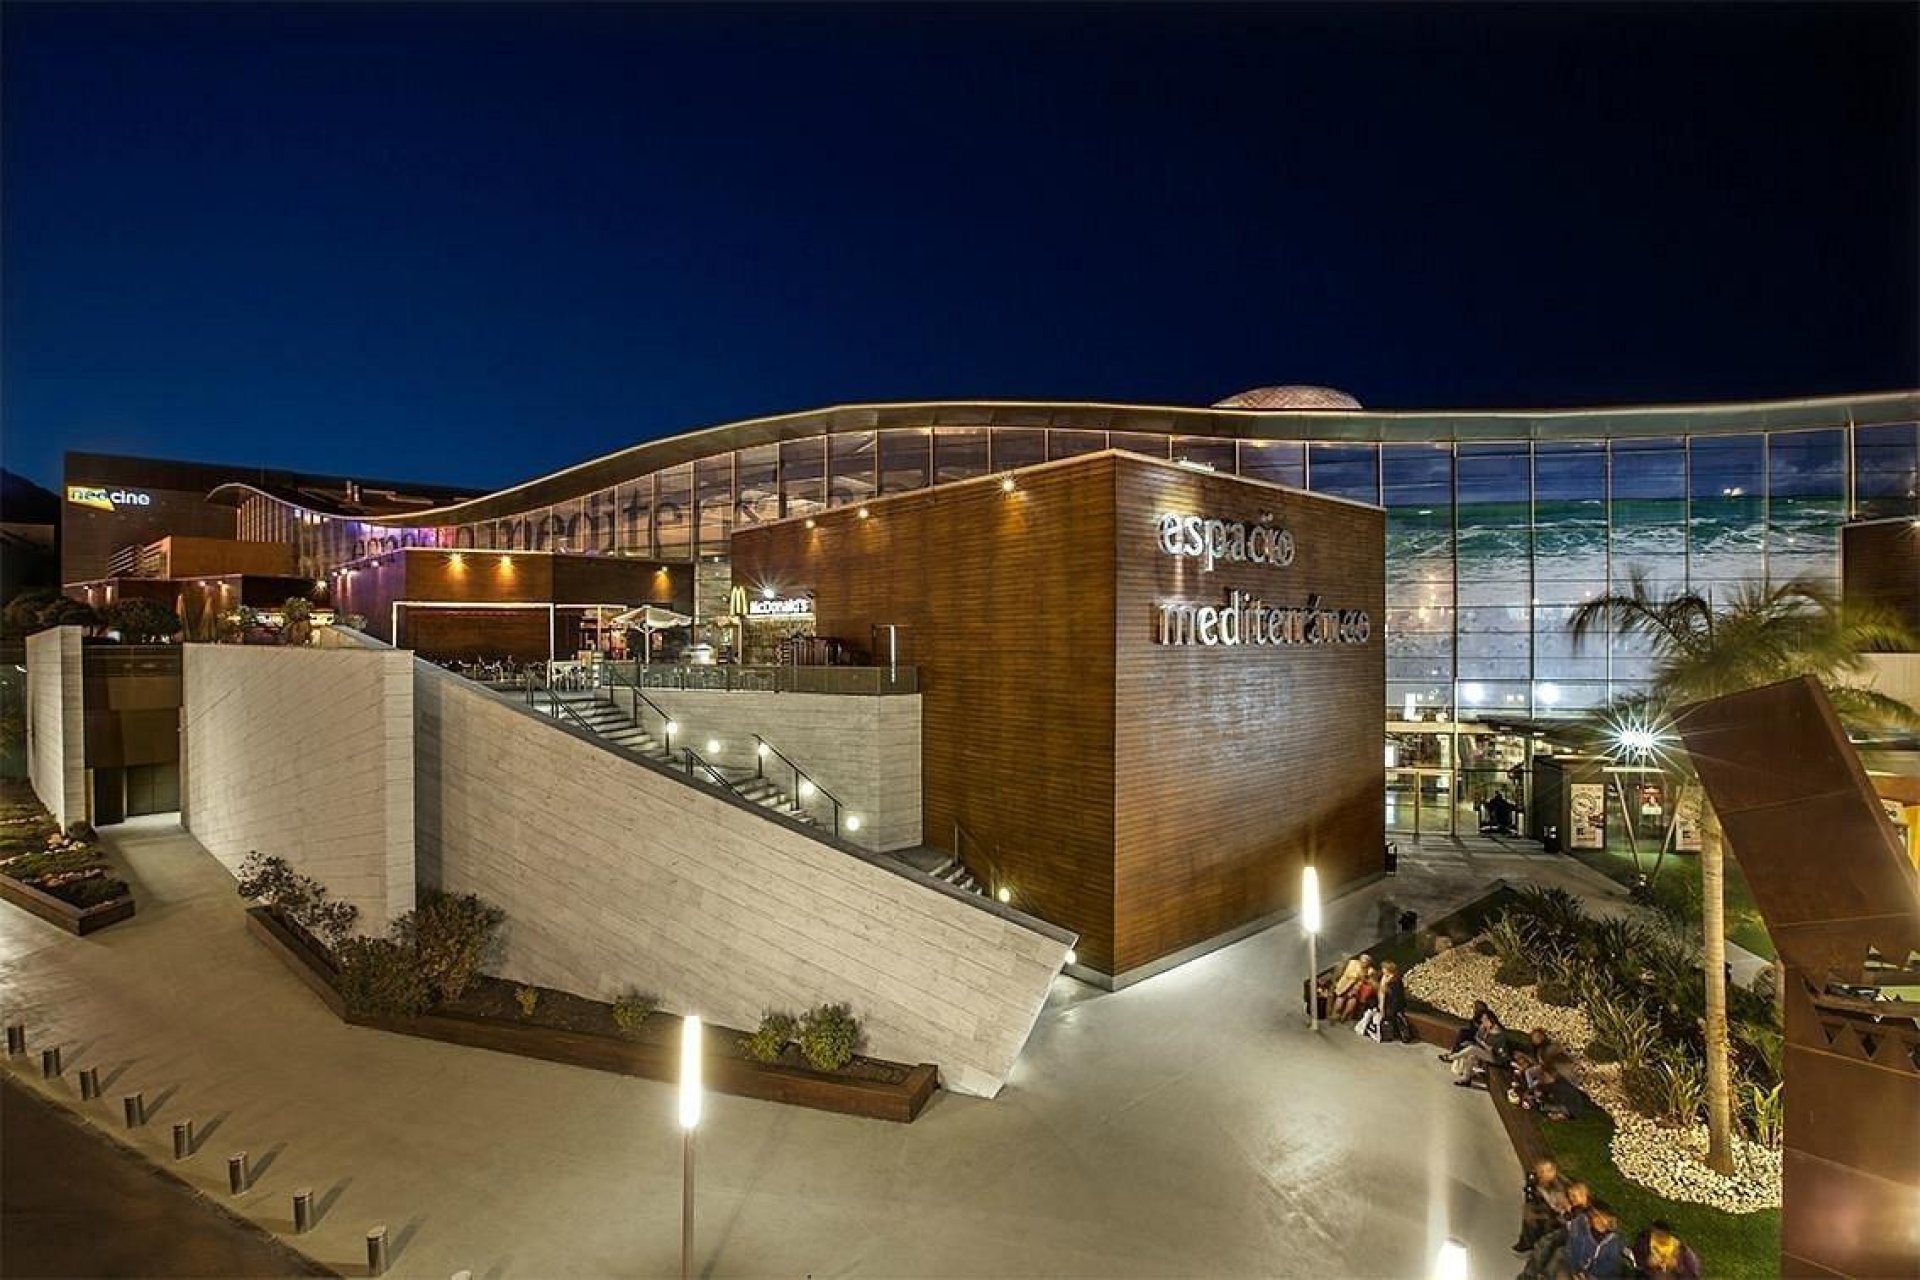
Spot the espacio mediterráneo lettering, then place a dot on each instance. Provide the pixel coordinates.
(1246, 618)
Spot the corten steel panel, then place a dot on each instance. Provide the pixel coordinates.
(479, 634)
(1802, 820)
(1880, 564)
(494, 577)
(1238, 764)
(1008, 600)
(184, 557)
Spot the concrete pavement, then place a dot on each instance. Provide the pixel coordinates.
(1189, 1125)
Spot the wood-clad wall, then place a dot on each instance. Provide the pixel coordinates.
(1006, 605)
(1237, 763)
(1147, 797)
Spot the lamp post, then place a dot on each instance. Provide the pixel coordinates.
(1310, 921)
(689, 1121)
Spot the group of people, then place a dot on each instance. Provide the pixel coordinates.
(1545, 1077)
(1373, 998)
(1566, 1234)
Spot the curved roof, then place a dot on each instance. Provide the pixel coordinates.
(1324, 425)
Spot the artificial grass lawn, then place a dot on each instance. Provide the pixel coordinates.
(1729, 1244)
(1679, 884)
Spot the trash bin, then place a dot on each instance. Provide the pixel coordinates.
(1550, 840)
(1391, 859)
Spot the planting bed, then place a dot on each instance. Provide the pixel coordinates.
(572, 1029)
(67, 883)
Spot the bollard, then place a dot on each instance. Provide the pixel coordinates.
(89, 1082)
(377, 1251)
(50, 1062)
(182, 1139)
(16, 1039)
(236, 1173)
(462, 1275)
(303, 1211)
(136, 1105)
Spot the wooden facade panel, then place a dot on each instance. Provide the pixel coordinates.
(1237, 763)
(1005, 603)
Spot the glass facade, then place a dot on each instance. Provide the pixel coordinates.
(1491, 543)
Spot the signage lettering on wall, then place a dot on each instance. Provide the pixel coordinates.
(1245, 619)
(781, 607)
(107, 500)
(1236, 541)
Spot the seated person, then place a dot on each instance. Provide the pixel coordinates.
(1359, 997)
(1594, 1249)
(1464, 1036)
(1549, 1250)
(1662, 1255)
(1499, 814)
(1489, 1047)
(1348, 978)
(1543, 1205)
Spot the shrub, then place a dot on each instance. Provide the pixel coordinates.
(1483, 947)
(528, 998)
(770, 1039)
(631, 1009)
(1645, 1090)
(90, 891)
(34, 868)
(1509, 939)
(380, 976)
(1554, 912)
(1558, 992)
(299, 899)
(1764, 1112)
(1682, 1087)
(140, 619)
(1622, 1029)
(1515, 973)
(828, 1036)
(454, 936)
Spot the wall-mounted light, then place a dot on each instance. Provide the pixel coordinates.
(457, 560)
(1007, 484)
(672, 726)
(713, 746)
(761, 750)
(768, 593)
(1004, 894)
(812, 523)
(1073, 957)
(853, 822)
(506, 562)
(863, 513)
(806, 788)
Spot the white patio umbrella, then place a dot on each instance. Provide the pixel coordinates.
(650, 618)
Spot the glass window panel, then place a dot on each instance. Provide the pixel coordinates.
(1726, 537)
(673, 512)
(1206, 451)
(1648, 510)
(803, 476)
(850, 473)
(1886, 467)
(1277, 461)
(635, 514)
(599, 522)
(959, 453)
(906, 457)
(713, 491)
(757, 487)
(1016, 447)
(1071, 444)
(1154, 446)
(1345, 470)
(1806, 505)
(1494, 550)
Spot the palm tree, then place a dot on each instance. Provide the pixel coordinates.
(1759, 636)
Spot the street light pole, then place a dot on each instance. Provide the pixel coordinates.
(689, 1122)
(1310, 921)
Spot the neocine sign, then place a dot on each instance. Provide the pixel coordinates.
(107, 500)
(1235, 541)
(781, 607)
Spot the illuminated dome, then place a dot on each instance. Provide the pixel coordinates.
(1289, 398)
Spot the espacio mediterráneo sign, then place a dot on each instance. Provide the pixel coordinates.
(1245, 618)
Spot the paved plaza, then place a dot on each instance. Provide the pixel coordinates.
(1190, 1125)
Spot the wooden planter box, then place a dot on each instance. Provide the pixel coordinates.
(79, 921)
(873, 1099)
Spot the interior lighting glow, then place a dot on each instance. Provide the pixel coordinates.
(1549, 695)
(1473, 691)
(1451, 1263)
(690, 1073)
(1310, 900)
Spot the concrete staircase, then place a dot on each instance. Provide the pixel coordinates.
(940, 865)
(613, 724)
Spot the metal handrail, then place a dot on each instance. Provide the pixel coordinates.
(693, 760)
(763, 748)
(613, 675)
(555, 700)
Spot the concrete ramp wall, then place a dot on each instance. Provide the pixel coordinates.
(308, 754)
(614, 875)
(56, 737)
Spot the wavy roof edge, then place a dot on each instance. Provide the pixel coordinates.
(1338, 425)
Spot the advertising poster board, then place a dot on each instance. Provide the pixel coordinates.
(1588, 803)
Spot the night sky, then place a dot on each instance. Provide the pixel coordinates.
(471, 245)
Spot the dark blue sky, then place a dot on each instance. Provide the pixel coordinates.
(474, 244)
